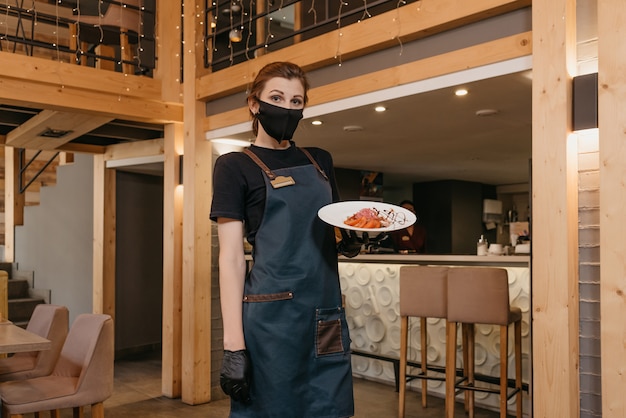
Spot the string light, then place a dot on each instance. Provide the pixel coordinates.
(338, 54)
(6, 23)
(397, 18)
(269, 26)
(312, 10)
(79, 51)
(365, 11)
(140, 35)
(56, 32)
(249, 37)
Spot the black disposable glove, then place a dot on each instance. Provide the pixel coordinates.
(350, 244)
(235, 375)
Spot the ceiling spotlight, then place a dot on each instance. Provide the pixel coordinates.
(461, 92)
(380, 108)
(316, 122)
(54, 133)
(235, 35)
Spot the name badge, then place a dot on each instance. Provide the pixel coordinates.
(282, 181)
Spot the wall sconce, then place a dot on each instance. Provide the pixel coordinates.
(180, 169)
(585, 102)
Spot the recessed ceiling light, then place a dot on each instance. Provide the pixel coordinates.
(380, 108)
(316, 122)
(461, 92)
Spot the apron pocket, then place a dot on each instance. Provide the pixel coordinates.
(328, 338)
(268, 297)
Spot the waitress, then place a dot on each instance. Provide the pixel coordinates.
(412, 239)
(286, 341)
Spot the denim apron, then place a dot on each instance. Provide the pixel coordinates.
(293, 320)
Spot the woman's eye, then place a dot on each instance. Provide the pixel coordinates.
(275, 98)
(297, 102)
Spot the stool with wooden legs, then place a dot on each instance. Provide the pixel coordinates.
(480, 295)
(422, 294)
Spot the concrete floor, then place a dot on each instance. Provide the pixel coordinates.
(138, 394)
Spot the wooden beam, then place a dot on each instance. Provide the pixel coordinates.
(103, 237)
(370, 35)
(197, 290)
(168, 70)
(83, 148)
(148, 148)
(611, 98)
(32, 133)
(65, 87)
(13, 202)
(63, 75)
(169, 65)
(171, 363)
(488, 53)
(555, 299)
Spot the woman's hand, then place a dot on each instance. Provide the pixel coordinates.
(235, 375)
(350, 244)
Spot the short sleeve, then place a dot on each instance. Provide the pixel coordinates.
(228, 188)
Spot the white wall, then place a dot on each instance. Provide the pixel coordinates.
(56, 239)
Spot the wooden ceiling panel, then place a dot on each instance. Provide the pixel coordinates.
(50, 129)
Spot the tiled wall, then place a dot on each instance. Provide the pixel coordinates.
(589, 276)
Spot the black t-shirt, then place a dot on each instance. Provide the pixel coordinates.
(239, 186)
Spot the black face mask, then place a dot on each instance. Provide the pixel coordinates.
(278, 122)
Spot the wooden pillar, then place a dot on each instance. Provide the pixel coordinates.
(196, 349)
(555, 387)
(171, 365)
(126, 52)
(103, 237)
(13, 201)
(168, 72)
(612, 137)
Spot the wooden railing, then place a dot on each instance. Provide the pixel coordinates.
(39, 173)
(116, 35)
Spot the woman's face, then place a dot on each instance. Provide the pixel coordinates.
(278, 91)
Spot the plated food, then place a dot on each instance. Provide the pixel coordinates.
(367, 218)
(363, 215)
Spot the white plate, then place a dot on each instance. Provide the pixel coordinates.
(335, 213)
(375, 329)
(385, 297)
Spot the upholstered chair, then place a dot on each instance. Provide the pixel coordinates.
(50, 322)
(82, 376)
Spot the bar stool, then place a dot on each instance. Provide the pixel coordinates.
(480, 295)
(423, 294)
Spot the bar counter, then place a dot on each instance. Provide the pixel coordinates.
(370, 284)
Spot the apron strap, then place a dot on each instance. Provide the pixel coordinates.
(260, 163)
(269, 172)
(315, 164)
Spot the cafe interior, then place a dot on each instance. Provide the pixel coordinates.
(112, 114)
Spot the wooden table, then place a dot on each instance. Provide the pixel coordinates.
(14, 339)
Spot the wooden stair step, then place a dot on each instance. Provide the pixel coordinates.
(21, 309)
(18, 289)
